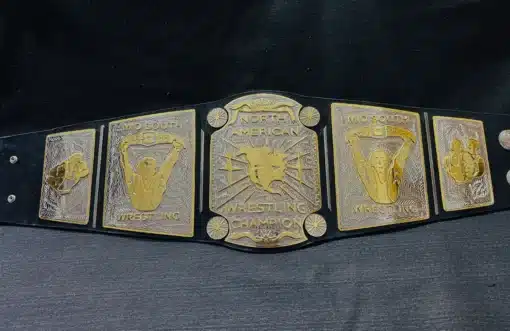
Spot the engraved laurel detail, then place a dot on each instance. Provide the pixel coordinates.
(217, 117)
(315, 225)
(217, 228)
(309, 116)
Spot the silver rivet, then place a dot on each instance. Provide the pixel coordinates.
(11, 198)
(504, 139)
(217, 228)
(316, 225)
(217, 117)
(13, 159)
(309, 116)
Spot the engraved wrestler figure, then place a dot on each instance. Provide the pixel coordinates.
(464, 164)
(66, 175)
(382, 173)
(147, 183)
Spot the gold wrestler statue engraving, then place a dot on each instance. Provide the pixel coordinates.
(464, 164)
(67, 176)
(150, 174)
(264, 172)
(147, 183)
(379, 166)
(381, 174)
(464, 172)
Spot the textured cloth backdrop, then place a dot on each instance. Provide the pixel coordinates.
(444, 276)
(63, 62)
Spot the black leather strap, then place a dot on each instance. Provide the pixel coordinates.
(23, 178)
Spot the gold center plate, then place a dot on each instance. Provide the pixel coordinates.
(67, 177)
(150, 174)
(464, 171)
(264, 174)
(379, 166)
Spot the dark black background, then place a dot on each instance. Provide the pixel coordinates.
(71, 61)
(64, 62)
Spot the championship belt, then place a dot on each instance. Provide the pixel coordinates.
(261, 172)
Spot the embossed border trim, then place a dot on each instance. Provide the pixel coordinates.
(438, 161)
(335, 138)
(315, 136)
(91, 175)
(193, 181)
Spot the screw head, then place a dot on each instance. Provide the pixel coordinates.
(11, 198)
(13, 159)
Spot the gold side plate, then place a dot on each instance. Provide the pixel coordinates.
(150, 174)
(379, 166)
(464, 172)
(67, 177)
(264, 172)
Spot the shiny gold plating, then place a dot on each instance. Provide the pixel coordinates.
(464, 172)
(462, 164)
(67, 177)
(264, 172)
(379, 166)
(146, 183)
(150, 174)
(381, 173)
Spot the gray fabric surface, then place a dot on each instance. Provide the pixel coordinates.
(444, 276)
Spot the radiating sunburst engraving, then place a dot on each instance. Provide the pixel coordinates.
(217, 228)
(264, 174)
(315, 225)
(309, 116)
(217, 117)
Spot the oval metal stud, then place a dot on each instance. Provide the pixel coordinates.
(504, 139)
